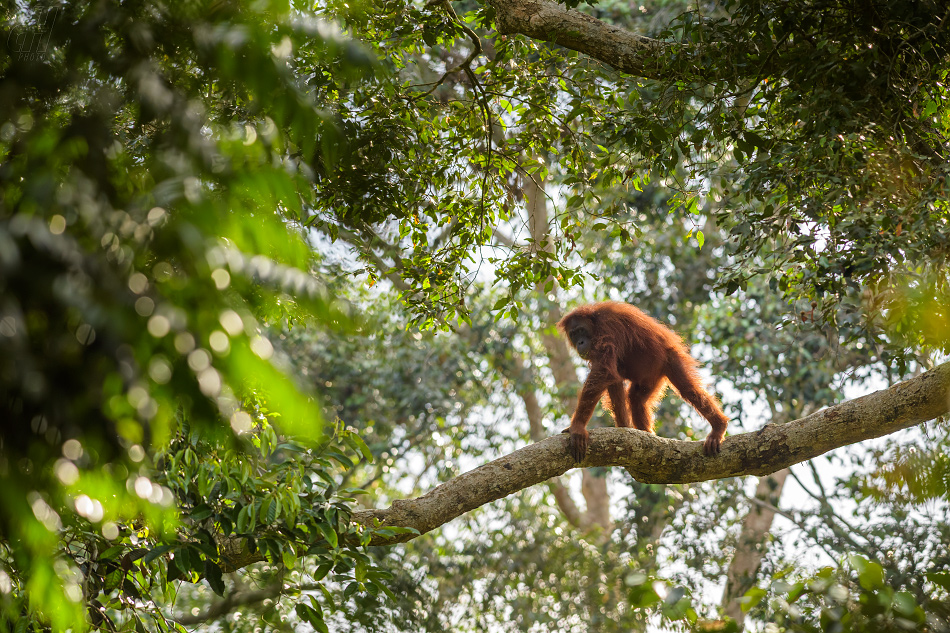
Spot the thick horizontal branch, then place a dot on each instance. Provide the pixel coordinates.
(235, 599)
(652, 459)
(551, 22)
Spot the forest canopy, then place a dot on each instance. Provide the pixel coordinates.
(272, 271)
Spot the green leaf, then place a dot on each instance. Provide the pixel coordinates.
(113, 579)
(289, 558)
(752, 598)
(905, 603)
(322, 571)
(174, 572)
(200, 513)
(341, 458)
(155, 552)
(311, 616)
(244, 520)
(111, 552)
(870, 574)
(361, 446)
(268, 513)
(137, 553)
(329, 534)
(392, 530)
(941, 578)
(214, 577)
(328, 596)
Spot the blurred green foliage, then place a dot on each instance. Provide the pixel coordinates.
(148, 195)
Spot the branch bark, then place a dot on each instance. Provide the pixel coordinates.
(653, 459)
(622, 49)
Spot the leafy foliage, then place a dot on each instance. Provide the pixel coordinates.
(146, 200)
(836, 123)
(271, 501)
(854, 599)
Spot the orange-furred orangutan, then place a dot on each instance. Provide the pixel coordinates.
(623, 345)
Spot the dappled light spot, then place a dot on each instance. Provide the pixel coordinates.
(221, 277)
(219, 342)
(262, 347)
(241, 422)
(158, 326)
(144, 306)
(231, 322)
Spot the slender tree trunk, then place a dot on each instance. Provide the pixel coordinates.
(594, 488)
(562, 496)
(752, 545)
(753, 542)
(597, 498)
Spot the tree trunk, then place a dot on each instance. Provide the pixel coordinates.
(752, 545)
(594, 488)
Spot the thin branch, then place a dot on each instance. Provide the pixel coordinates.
(503, 239)
(465, 65)
(817, 478)
(795, 521)
(366, 250)
(829, 516)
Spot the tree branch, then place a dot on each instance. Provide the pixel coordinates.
(476, 50)
(653, 459)
(622, 49)
(365, 248)
(237, 598)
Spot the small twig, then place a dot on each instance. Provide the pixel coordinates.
(465, 65)
(829, 517)
(797, 522)
(366, 250)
